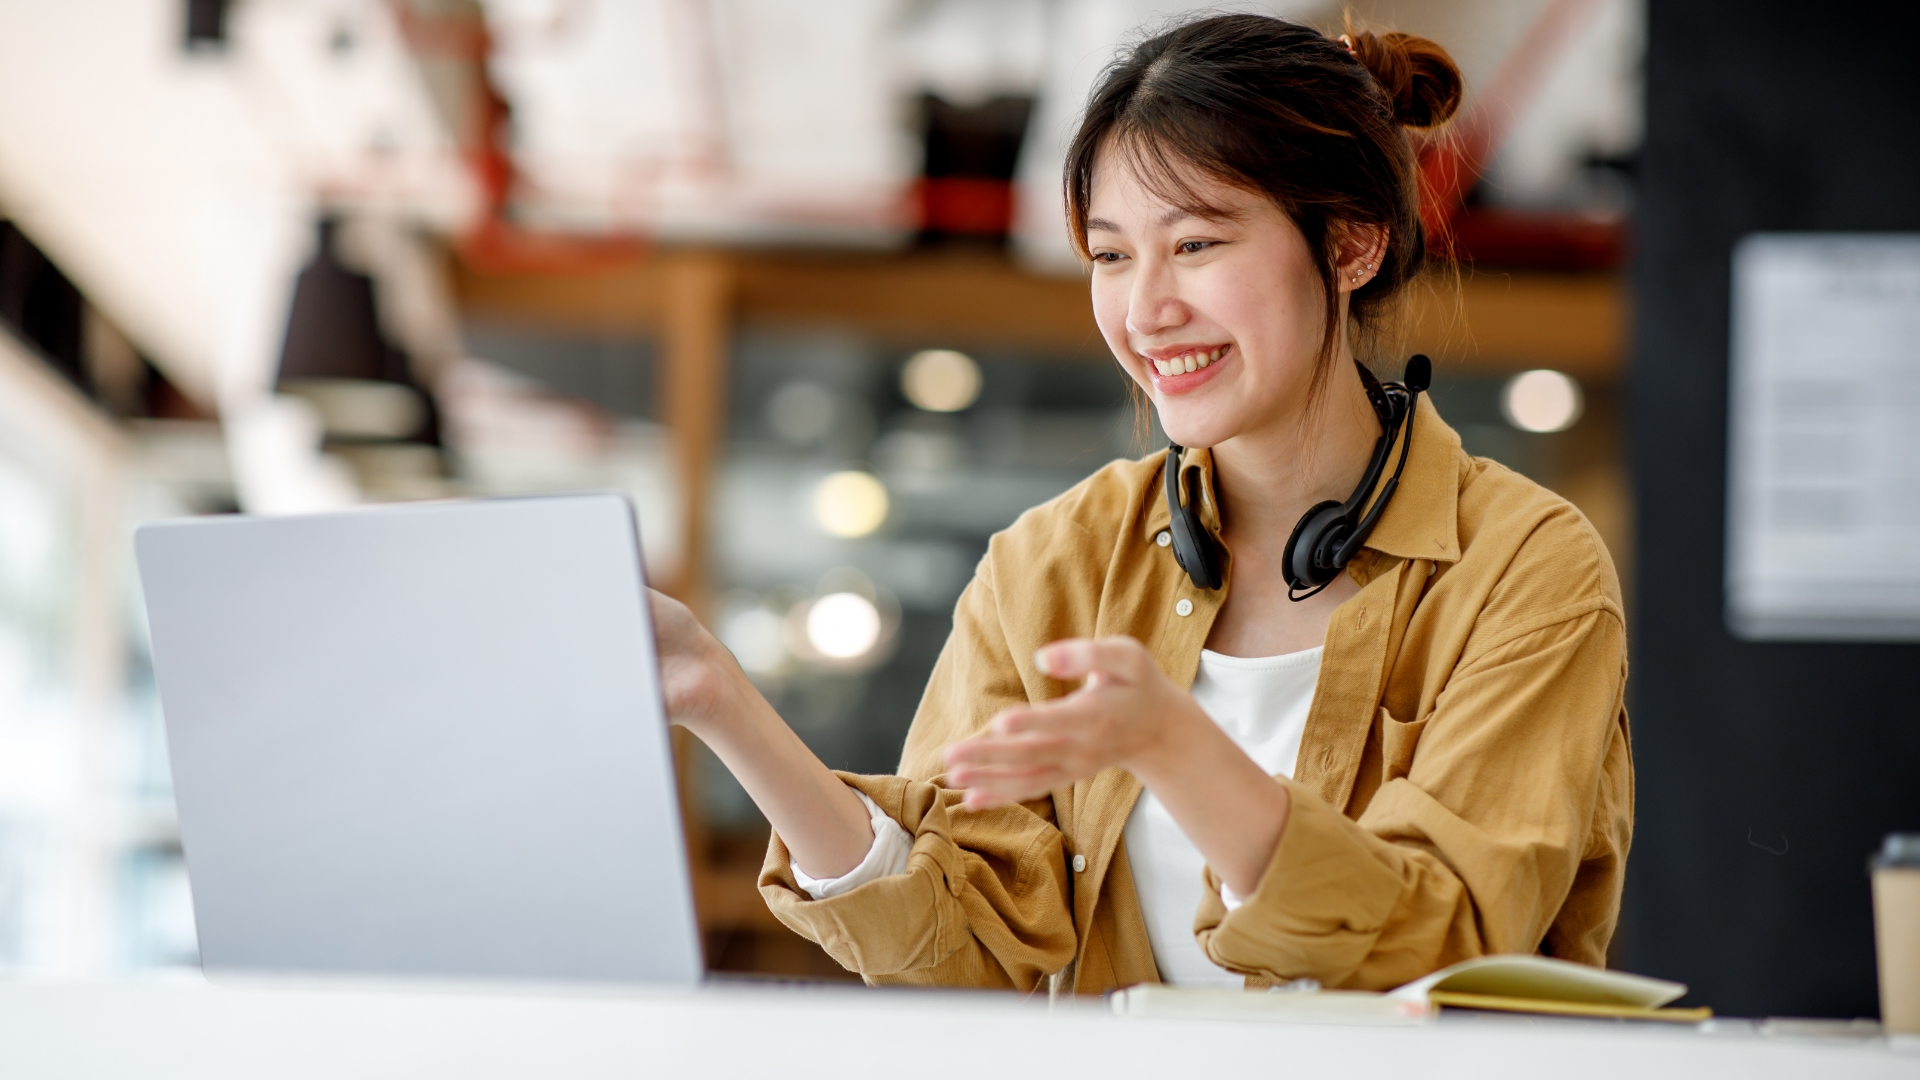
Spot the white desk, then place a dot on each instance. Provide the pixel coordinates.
(130, 1030)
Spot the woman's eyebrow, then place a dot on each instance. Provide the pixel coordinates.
(1170, 218)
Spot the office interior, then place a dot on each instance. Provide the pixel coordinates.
(795, 279)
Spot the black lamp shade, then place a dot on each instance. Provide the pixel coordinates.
(333, 331)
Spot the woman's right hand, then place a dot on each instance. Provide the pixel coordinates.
(699, 678)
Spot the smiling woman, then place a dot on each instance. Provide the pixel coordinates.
(1125, 770)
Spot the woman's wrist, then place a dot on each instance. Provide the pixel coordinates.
(732, 708)
(1177, 739)
(1227, 805)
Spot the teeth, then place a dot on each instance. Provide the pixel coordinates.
(1192, 361)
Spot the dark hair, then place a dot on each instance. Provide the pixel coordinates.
(1279, 109)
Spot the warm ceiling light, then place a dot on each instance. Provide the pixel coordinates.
(941, 380)
(850, 504)
(843, 625)
(1541, 400)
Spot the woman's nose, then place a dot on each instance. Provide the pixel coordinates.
(1154, 305)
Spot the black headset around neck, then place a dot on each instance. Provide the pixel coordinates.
(1329, 535)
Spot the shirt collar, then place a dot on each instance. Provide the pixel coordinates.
(1422, 522)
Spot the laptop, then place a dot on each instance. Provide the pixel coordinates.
(422, 741)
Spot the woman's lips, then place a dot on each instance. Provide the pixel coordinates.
(1188, 370)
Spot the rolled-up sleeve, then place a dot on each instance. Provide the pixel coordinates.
(1517, 778)
(983, 902)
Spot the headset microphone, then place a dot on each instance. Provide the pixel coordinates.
(1330, 534)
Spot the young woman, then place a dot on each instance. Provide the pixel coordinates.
(1121, 773)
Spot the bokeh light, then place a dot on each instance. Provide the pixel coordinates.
(756, 638)
(941, 380)
(843, 625)
(1541, 400)
(850, 504)
(802, 412)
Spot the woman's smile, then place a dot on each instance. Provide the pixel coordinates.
(1182, 369)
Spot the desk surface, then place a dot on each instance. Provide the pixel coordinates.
(186, 1028)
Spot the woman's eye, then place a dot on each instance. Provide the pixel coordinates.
(1106, 257)
(1189, 247)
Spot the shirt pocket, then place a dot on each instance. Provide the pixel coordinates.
(1397, 742)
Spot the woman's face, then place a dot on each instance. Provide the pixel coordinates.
(1219, 318)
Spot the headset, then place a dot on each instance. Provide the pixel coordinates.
(1329, 534)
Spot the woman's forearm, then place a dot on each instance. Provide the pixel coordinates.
(1226, 804)
(823, 823)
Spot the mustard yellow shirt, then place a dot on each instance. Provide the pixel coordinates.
(1464, 784)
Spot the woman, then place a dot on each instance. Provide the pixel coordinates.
(1424, 760)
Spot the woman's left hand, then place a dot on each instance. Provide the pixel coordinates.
(1124, 714)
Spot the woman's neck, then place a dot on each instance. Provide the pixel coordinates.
(1265, 481)
(1268, 478)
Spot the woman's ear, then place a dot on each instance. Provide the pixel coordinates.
(1358, 252)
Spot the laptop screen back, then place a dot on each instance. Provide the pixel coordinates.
(422, 740)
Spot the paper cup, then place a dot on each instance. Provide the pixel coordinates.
(1896, 931)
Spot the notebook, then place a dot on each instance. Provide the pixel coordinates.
(1512, 983)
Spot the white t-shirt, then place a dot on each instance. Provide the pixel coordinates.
(1261, 703)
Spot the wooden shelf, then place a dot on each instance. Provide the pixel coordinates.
(1493, 321)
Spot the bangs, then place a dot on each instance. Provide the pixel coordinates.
(1170, 168)
(1167, 151)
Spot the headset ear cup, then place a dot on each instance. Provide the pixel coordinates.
(1301, 563)
(1326, 550)
(1193, 549)
(1183, 552)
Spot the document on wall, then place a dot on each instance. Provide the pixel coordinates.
(1823, 467)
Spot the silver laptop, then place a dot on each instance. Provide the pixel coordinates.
(422, 740)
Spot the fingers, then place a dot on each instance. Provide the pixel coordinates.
(673, 622)
(1029, 750)
(1002, 777)
(1119, 659)
(983, 750)
(998, 770)
(1005, 786)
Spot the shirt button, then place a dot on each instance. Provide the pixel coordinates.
(1184, 607)
(1079, 863)
(1164, 538)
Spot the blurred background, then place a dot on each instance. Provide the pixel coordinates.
(793, 276)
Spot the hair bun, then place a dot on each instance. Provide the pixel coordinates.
(1419, 77)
